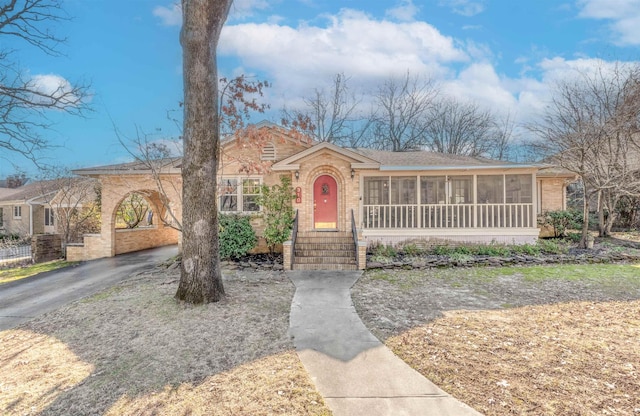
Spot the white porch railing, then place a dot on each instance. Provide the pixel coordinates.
(448, 216)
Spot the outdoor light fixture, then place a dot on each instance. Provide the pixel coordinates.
(353, 173)
(297, 175)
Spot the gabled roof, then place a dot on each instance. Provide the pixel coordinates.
(282, 132)
(424, 160)
(358, 160)
(169, 165)
(30, 191)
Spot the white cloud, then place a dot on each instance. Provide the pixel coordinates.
(623, 14)
(480, 83)
(50, 87)
(404, 12)
(245, 8)
(169, 15)
(464, 7)
(351, 42)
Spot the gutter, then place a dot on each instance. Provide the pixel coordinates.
(458, 167)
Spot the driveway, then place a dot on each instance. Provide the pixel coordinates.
(27, 298)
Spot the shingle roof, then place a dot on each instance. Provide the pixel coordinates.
(137, 166)
(421, 158)
(30, 190)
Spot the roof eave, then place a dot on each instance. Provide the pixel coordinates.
(391, 168)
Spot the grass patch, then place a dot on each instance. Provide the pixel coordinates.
(575, 272)
(10, 275)
(570, 358)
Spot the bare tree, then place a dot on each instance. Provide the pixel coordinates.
(132, 211)
(460, 128)
(159, 157)
(590, 128)
(74, 201)
(402, 118)
(201, 277)
(503, 137)
(333, 116)
(23, 100)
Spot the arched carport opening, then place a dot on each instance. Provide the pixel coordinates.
(138, 222)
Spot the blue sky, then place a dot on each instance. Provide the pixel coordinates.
(503, 54)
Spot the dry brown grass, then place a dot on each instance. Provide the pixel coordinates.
(580, 358)
(134, 350)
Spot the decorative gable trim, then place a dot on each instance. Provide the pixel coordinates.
(357, 160)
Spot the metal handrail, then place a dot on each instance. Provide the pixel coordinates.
(294, 235)
(354, 231)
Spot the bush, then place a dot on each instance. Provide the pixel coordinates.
(278, 212)
(528, 249)
(561, 221)
(491, 250)
(551, 246)
(381, 250)
(412, 249)
(442, 250)
(236, 235)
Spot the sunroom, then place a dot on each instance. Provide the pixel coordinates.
(472, 206)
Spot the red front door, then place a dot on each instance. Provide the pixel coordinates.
(325, 203)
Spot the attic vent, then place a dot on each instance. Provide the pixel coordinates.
(268, 152)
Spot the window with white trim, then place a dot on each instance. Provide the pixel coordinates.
(1, 217)
(239, 194)
(17, 212)
(48, 217)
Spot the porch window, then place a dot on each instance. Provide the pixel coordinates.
(403, 190)
(461, 189)
(518, 189)
(433, 189)
(17, 212)
(490, 189)
(238, 195)
(376, 190)
(48, 217)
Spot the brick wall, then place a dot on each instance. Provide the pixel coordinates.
(142, 238)
(46, 247)
(553, 194)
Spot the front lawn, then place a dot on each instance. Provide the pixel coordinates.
(543, 340)
(133, 350)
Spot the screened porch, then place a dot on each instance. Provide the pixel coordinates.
(448, 201)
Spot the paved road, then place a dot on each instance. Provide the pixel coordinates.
(27, 298)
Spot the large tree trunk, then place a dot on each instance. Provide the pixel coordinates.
(201, 278)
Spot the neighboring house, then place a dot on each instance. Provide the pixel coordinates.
(25, 210)
(386, 197)
(32, 208)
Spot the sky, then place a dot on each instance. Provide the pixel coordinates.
(503, 54)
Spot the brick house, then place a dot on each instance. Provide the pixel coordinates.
(381, 197)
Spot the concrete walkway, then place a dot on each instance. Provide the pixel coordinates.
(355, 373)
